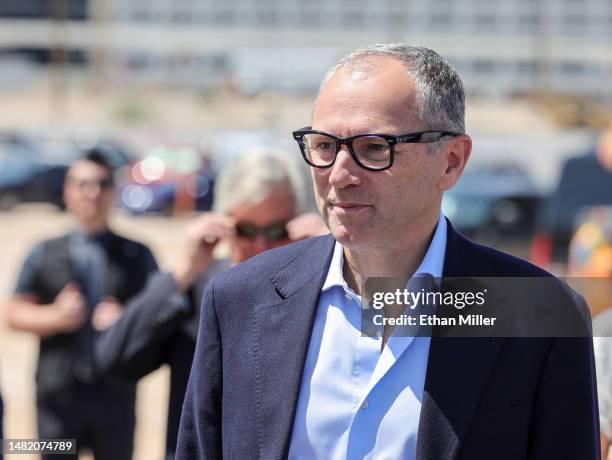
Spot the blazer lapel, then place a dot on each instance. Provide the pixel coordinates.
(457, 367)
(282, 336)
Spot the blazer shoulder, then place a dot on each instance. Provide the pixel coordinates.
(464, 256)
(303, 256)
(490, 262)
(505, 264)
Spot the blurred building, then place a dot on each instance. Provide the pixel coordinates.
(501, 47)
(28, 43)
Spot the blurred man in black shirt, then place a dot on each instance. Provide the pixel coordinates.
(69, 289)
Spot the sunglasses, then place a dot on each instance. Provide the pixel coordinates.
(272, 233)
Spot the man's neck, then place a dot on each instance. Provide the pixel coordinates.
(397, 261)
(93, 228)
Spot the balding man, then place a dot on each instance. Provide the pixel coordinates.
(282, 368)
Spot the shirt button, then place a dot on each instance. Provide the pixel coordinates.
(364, 405)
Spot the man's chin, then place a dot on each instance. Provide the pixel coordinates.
(90, 217)
(351, 238)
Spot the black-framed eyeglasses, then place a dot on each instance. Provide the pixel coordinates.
(272, 233)
(373, 152)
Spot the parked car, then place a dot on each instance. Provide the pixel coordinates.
(168, 179)
(25, 176)
(584, 183)
(494, 205)
(32, 170)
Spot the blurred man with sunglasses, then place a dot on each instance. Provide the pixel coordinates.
(71, 288)
(257, 199)
(282, 367)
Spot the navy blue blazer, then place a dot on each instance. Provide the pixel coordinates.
(502, 398)
(159, 326)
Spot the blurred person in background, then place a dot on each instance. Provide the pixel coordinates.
(590, 256)
(604, 150)
(69, 289)
(585, 181)
(257, 199)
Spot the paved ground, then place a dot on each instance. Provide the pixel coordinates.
(18, 231)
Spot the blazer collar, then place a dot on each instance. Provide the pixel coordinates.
(457, 368)
(282, 337)
(456, 264)
(306, 265)
(456, 373)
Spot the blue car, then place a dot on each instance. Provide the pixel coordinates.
(31, 171)
(25, 175)
(496, 206)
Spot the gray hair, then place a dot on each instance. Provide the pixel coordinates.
(439, 90)
(253, 176)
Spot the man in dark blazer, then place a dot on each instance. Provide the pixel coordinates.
(281, 369)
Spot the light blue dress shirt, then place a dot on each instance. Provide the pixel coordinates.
(356, 402)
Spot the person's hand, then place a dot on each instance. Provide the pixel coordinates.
(606, 452)
(306, 226)
(106, 313)
(69, 309)
(202, 235)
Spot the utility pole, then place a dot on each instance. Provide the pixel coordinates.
(100, 15)
(58, 72)
(542, 44)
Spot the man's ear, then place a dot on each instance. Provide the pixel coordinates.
(456, 155)
(65, 191)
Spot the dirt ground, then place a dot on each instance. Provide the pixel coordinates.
(19, 230)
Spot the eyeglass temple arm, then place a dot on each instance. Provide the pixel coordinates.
(418, 138)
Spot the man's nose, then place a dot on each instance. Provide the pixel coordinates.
(92, 190)
(345, 171)
(260, 243)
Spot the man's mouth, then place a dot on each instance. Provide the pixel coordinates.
(348, 207)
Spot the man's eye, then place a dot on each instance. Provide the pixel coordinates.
(324, 145)
(374, 148)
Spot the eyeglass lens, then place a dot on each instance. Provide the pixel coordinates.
(372, 151)
(274, 232)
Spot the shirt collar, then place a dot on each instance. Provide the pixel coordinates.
(432, 264)
(334, 273)
(104, 237)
